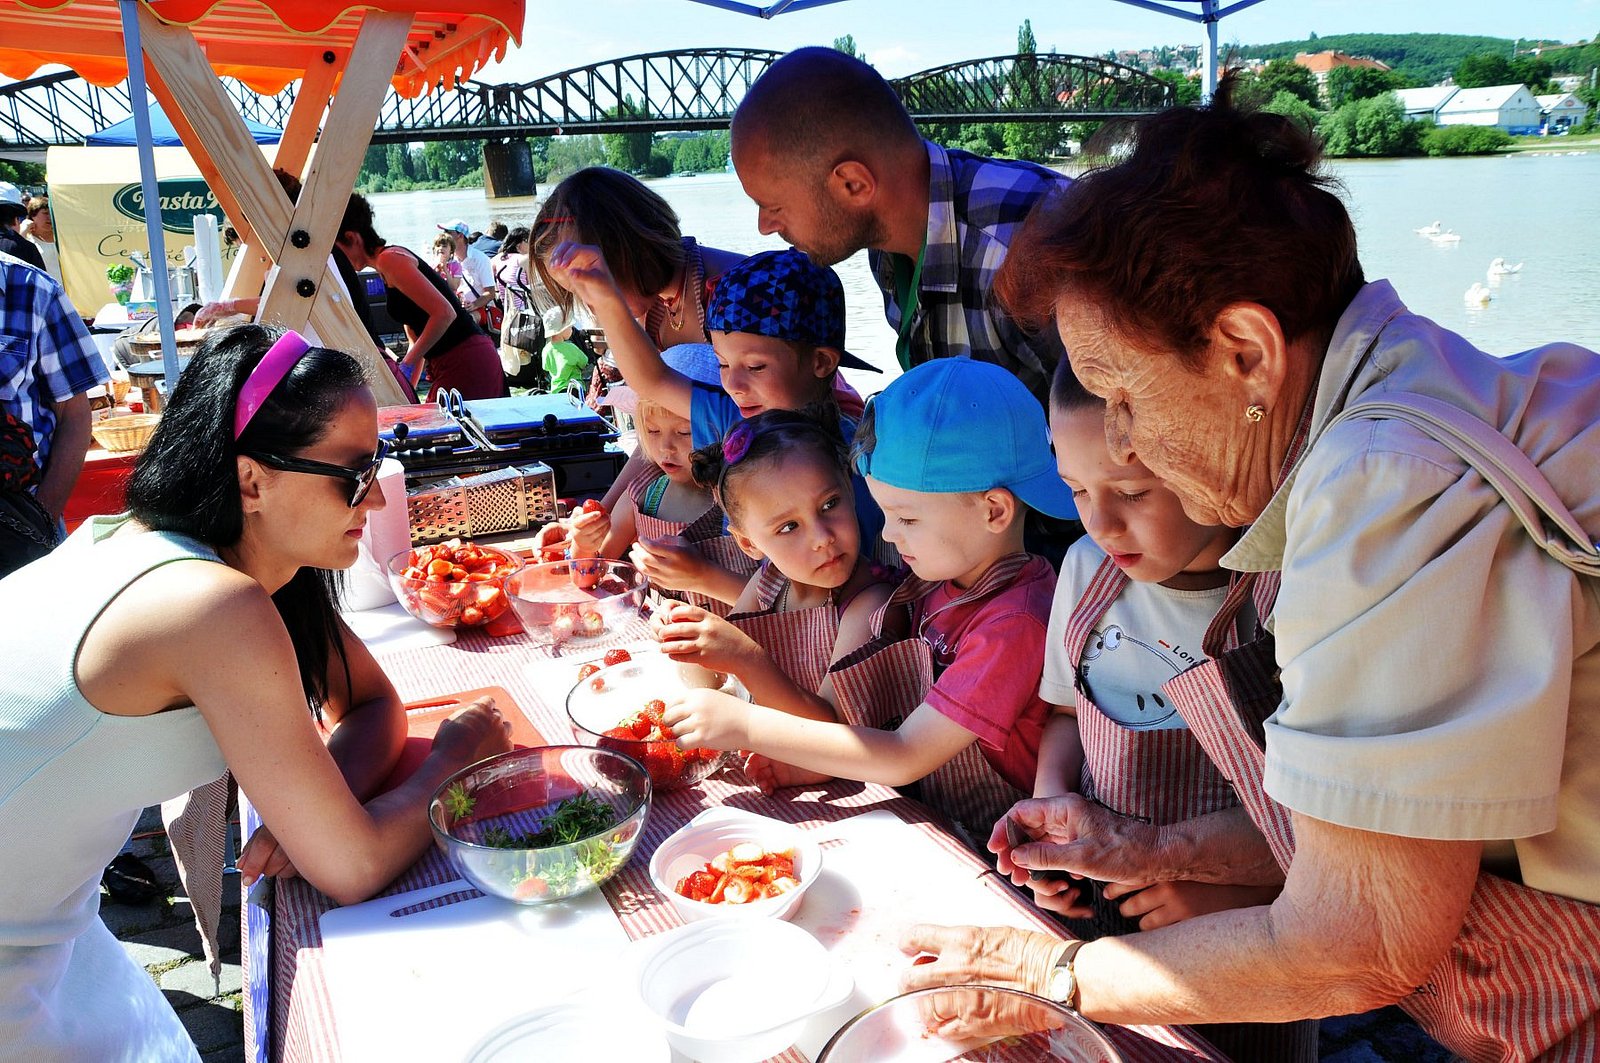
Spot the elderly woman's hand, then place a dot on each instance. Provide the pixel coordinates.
(1077, 835)
(983, 955)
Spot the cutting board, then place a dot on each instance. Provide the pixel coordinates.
(407, 984)
(424, 717)
(390, 627)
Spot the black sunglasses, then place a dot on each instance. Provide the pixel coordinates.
(361, 479)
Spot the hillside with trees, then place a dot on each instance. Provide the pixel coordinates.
(1422, 58)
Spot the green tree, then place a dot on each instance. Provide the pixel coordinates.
(1534, 72)
(1485, 69)
(1371, 127)
(569, 154)
(1348, 83)
(1186, 90)
(1033, 141)
(847, 45)
(1463, 139)
(1292, 106)
(1286, 75)
(627, 151)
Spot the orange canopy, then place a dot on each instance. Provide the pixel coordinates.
(267, 44)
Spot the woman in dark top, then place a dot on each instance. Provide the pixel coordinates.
(459, 354)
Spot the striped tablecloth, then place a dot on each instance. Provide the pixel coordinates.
(289, 1016)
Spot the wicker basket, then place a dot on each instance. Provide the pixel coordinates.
(128, 432)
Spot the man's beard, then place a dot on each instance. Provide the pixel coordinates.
(843, 233)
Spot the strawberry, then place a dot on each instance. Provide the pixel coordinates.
(591, 505)
(655, 709)
(587, 670)
(618, 656)
(529, 888)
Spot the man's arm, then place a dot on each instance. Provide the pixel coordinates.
(68, 444)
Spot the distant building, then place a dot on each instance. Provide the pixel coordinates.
(1561, 111)
(1320, 63)
(1424, 103)
(1569, 82)
(1509, 107)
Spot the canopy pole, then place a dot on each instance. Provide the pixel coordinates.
(140, 102)
(1208, 80)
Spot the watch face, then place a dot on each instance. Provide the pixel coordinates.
(1064, 985)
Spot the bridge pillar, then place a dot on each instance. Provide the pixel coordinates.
(508, 169)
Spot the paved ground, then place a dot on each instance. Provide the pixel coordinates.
(161, 937)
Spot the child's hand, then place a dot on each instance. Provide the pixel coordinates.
(770, 775)
(551, 543)
(1165, 903)
(587, 530)
(690, 633)
(263, 856)
(581, 269)
(669, 562)
(709, 719)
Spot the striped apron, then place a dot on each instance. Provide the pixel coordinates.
(1160, 777)
(889, 676)
(800, 641)
(706, 533)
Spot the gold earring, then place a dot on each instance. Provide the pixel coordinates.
(1254, 412)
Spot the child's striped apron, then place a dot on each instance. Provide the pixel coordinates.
(884, 681)
(706, 533)
(1160, 777)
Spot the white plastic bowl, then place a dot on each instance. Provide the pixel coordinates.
(716, 830)
(731, 991)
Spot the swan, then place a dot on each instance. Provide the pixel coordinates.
(1449, 236)
(1499, 268)
(1477, 295)
(1427, 230)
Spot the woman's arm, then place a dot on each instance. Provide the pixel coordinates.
(367, 717)
(1362, 921)
(582, 270)
(401, 271)
(224, 649)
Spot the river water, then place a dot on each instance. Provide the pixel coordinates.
(1536, 209)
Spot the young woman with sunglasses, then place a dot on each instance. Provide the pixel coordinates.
(198, 633)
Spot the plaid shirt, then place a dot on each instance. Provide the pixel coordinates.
(46, 355)
(974, 207)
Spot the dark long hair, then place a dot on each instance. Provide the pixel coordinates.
(187, 479)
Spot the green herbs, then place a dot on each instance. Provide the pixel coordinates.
(119, 273)
(459, 803)
(576, 817)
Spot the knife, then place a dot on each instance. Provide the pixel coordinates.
(1016, 836)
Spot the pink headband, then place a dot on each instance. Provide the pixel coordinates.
(281, 357)
(737, 443)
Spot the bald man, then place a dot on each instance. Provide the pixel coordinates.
(835, 164)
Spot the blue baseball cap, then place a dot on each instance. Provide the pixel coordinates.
(783, 294)
(697, 361)
(953, 425)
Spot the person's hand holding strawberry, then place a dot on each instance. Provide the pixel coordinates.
(691, 634)
(670, 561)
(709, 719)
(587, 529)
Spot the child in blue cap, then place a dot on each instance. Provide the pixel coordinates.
(947, 691)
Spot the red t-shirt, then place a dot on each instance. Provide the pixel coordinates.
(988, 655)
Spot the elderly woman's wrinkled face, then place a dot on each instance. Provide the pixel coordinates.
(1187, 427)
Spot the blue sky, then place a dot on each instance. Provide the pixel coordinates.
(904, 36)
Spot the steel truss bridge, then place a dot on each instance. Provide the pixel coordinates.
(655, 92)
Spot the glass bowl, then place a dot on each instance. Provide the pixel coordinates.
(466, 596)
(485, 815)
(599, 704)
(561, 601)
(1002, 1024)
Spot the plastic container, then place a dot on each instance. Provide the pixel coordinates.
(715, 831)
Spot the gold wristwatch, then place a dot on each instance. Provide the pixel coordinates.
(1063, 986)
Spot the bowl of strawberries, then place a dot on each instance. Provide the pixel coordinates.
(618, 704)
(576, 599)
(455, 583)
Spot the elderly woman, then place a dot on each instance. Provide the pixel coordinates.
(1431, 772)
(191, 635)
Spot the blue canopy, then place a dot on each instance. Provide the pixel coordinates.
(122, 133)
